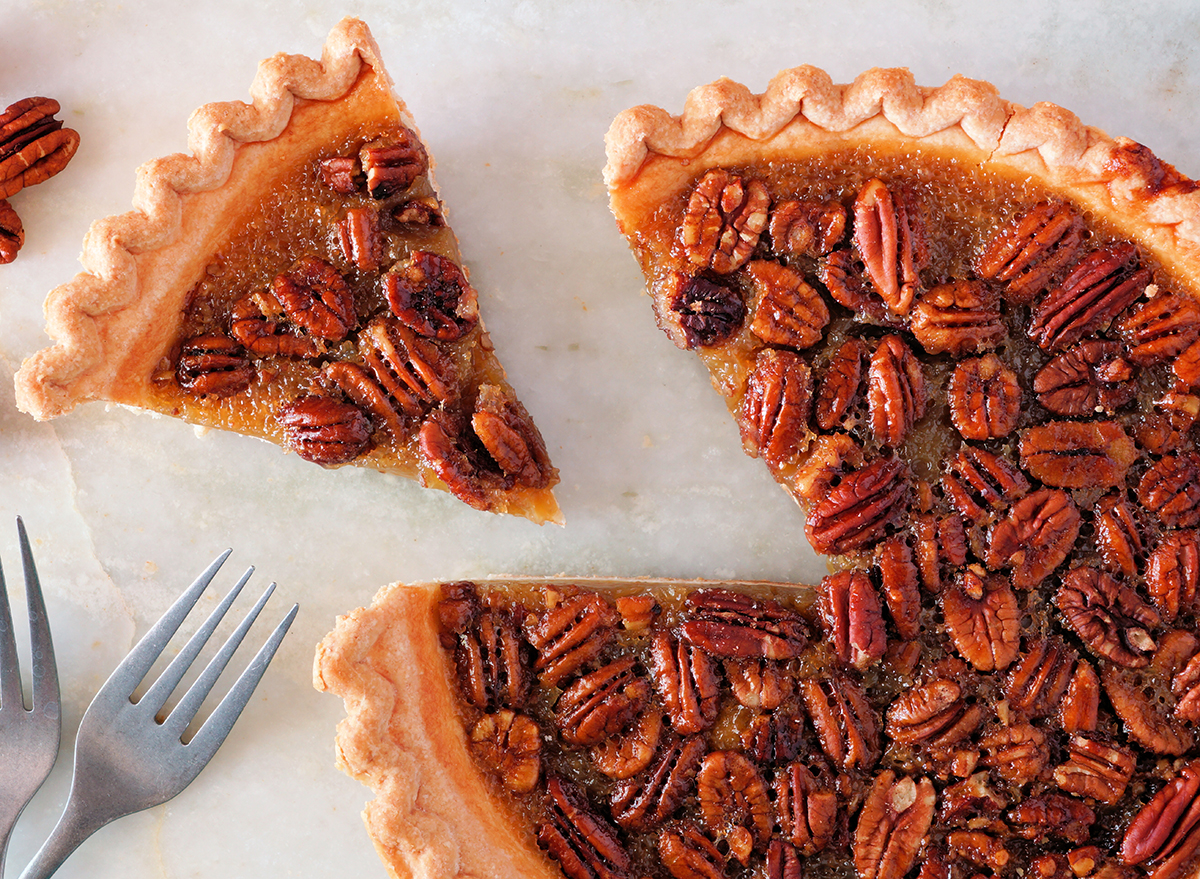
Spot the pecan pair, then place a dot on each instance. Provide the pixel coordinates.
(892, 825)
(34, 146)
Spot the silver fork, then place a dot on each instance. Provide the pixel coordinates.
(126, 758)
(28, 738)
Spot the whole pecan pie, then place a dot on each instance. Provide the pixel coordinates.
(964, 335)
(295, 279)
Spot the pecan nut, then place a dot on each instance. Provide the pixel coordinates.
(774, 738)
(262, 336)
(984, 398)
(511, 438)
(958, 318)
(648, 800)
(853, 619)
(892, 825)
(626, 755)
(759, 683)
(858, 511)
(1166, 428)
(491, 659)
(431, 294)
(602, 703)
(700, 312)
(838, 391)
(979, 483)
(1078, 454)
(824, 465)
(585, 845)
(808, 811)
(324, 430)
(688, 854)
(844, 720)
(316, 297)
(787, 311)
(1095, 768)
(1173, 571)
(393, 165)
(453, 453)
(213, 364)
(773, 416)
(1165, 834)
(806, 228)
(1089, 377)
(511, 744)
(889, 234)
(1017, 753)
(725, 216)
(1035, 537)
(12, 233)
(984, 620)
(1037, 683)
(896, 397)
(570, 635)
(1170, 489)
(1110, 618)
(1145, 719)
(34, 146)
(898, 576)
(734, 802)
(729, 624)
(342, 174)
(1186, 687)
(1032, 249)
(935, 715)
(1118, 536)
(1161, 328)
(1080, 708)
(361, 238)
(686, 680)
(1040, 818)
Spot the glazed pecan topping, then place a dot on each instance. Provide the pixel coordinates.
(686, 680)
(688, 854)
(1095, 768)
(648, 800)
(702, 312)
(317, 298)
(213, 364)
(1016, 753)
(895, 391)
(729, 624)
(808, 811)
(979, 483)
(1170, 489)
(983, 620)
(585, 845)
(511, 438)
(734, 802)
(570, 635)
(979, 848)
(846, 725)
(787, 311)
(1037, 683)
(1186, 366)
(324, 430)
(892, 825)
(1098, 289)
(958, 318)
(624, 756)
(511, 745)
(602, 703)
(806, 228)
(1160, 328)
(1092, 376)
(1035, 537)
(1110, 618)
(939, 547)
(1032, 249)
(889, 234)
(725, 216)
(638, 612)
(1078, 454)
(858, 511)
(935, 715)
(419, 213)
(984, 398)
(898, 575)
(1165, 834)
(34, 146)
(393, 165)
(782, 861)
(1186, 687)
(1080, 708)
(840, 384)
(853, 620)
(430, 294)
(342, 174)
(12, 233)
(773, 417)
(972, 801)
(1118, 536)
(1172, 573)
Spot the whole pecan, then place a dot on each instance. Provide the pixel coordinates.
(1029, 251)
(838, 390)
(1095, 768)
(896, 397)
(686, 681)
(1110, 618)
(361, 238)
(394, 164)
(1170, 489)
(958, 318)
(623, 756)
(213, 364)
(316, 297)
(759, 683)
(688, 854)
(262, 336)
(852, 617)
(570, 635)
(934, 715)
(730, 624)
(1079, 711)
(12, 233)
(511, 438)
(1046, 816)
(734, 802)
(898, 576)
(1017, 753)
(773, 416)
(807, 807)
(979, 483)
(700, 312)
(1100, 286)
(1173, 571)
(1160, 328)
(1165, 834)
(845, 722)
(1091, 376)
(1035, 537)
(983, 620)
(647, 800)
(984, 398)
(857, 512)
(1146, 720)
(806, 228)
(1118, 536)
(1078, 454)
(511, 744)
(324, 430)
(1036, 684)
(725, 216)
(583, 843)
(787, 311)
(430, 293)
(774, 738)
(889, 234)
(892, 825)
(34, 146)
(601, 703)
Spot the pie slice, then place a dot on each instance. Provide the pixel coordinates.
(295, 280)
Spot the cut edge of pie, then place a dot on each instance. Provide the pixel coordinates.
(115, 323)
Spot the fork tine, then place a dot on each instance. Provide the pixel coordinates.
(183, 713)
(10, 673)
(133, 667)
(44, 673)
(210, 736)
(155, 697)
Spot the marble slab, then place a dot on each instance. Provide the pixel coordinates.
(514, 96)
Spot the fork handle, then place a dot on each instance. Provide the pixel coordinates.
(72, 829)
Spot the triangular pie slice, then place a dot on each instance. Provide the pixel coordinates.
(295, 279)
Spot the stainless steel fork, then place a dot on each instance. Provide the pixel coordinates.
(28, 738)
(126, 757)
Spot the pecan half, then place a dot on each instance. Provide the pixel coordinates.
(808, 811)
(511, 438)
(734, 802)
(1028, 252)
(688, 854)
(262, 336)
(984, 398)
(1118, 536)
(1167, 427)
(827, 460)
(1110, 618)
(1173, 571)
(492, 661)
(806, 228)
(729, 624)
(889, 234)
(896, 397)
(1089, 377)
(725, 216)
(1035, 537)
(759, 683)
(892, 825)
(1016, 753)
(12, 233)
(570, 635)
(431, 294)
(585, 845)
(1170, 489)
(361, 239)
(845, 722)
(1160, 328)
(983, 620)
(624, 756)
(774, 738)
(649, 799)
(858, 511)
(782, 861)
(393, 165)
(316, 297)
(773, 416)
(898, 576)
(1186, 366)
(213, 364)
(1100, 286)
(852, 617)
(838, 390)
(700, 312)
(1041, 818)
(511, 744)
(958, 318)
(1095, 768)
(324, 430)
(1037, 683)
(342, 174)
(1078, 454)
(1186, 687)
(1146, 720)
(1165, 834)
(935, 715)
(787, 311)
(452, 450)
(602, 703)
(34, 146)
(979, 483)
(686, 680)
(1080, 707)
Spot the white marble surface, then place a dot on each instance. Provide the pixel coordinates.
(514, 98)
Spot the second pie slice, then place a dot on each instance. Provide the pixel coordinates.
(295, 279)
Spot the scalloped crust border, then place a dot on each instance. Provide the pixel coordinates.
(1144, 198)
(81, 313)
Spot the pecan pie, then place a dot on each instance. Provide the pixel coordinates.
(296, 280)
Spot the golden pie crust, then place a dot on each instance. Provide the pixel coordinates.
(117, 325)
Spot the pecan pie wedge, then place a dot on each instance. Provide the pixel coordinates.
(295, 280)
